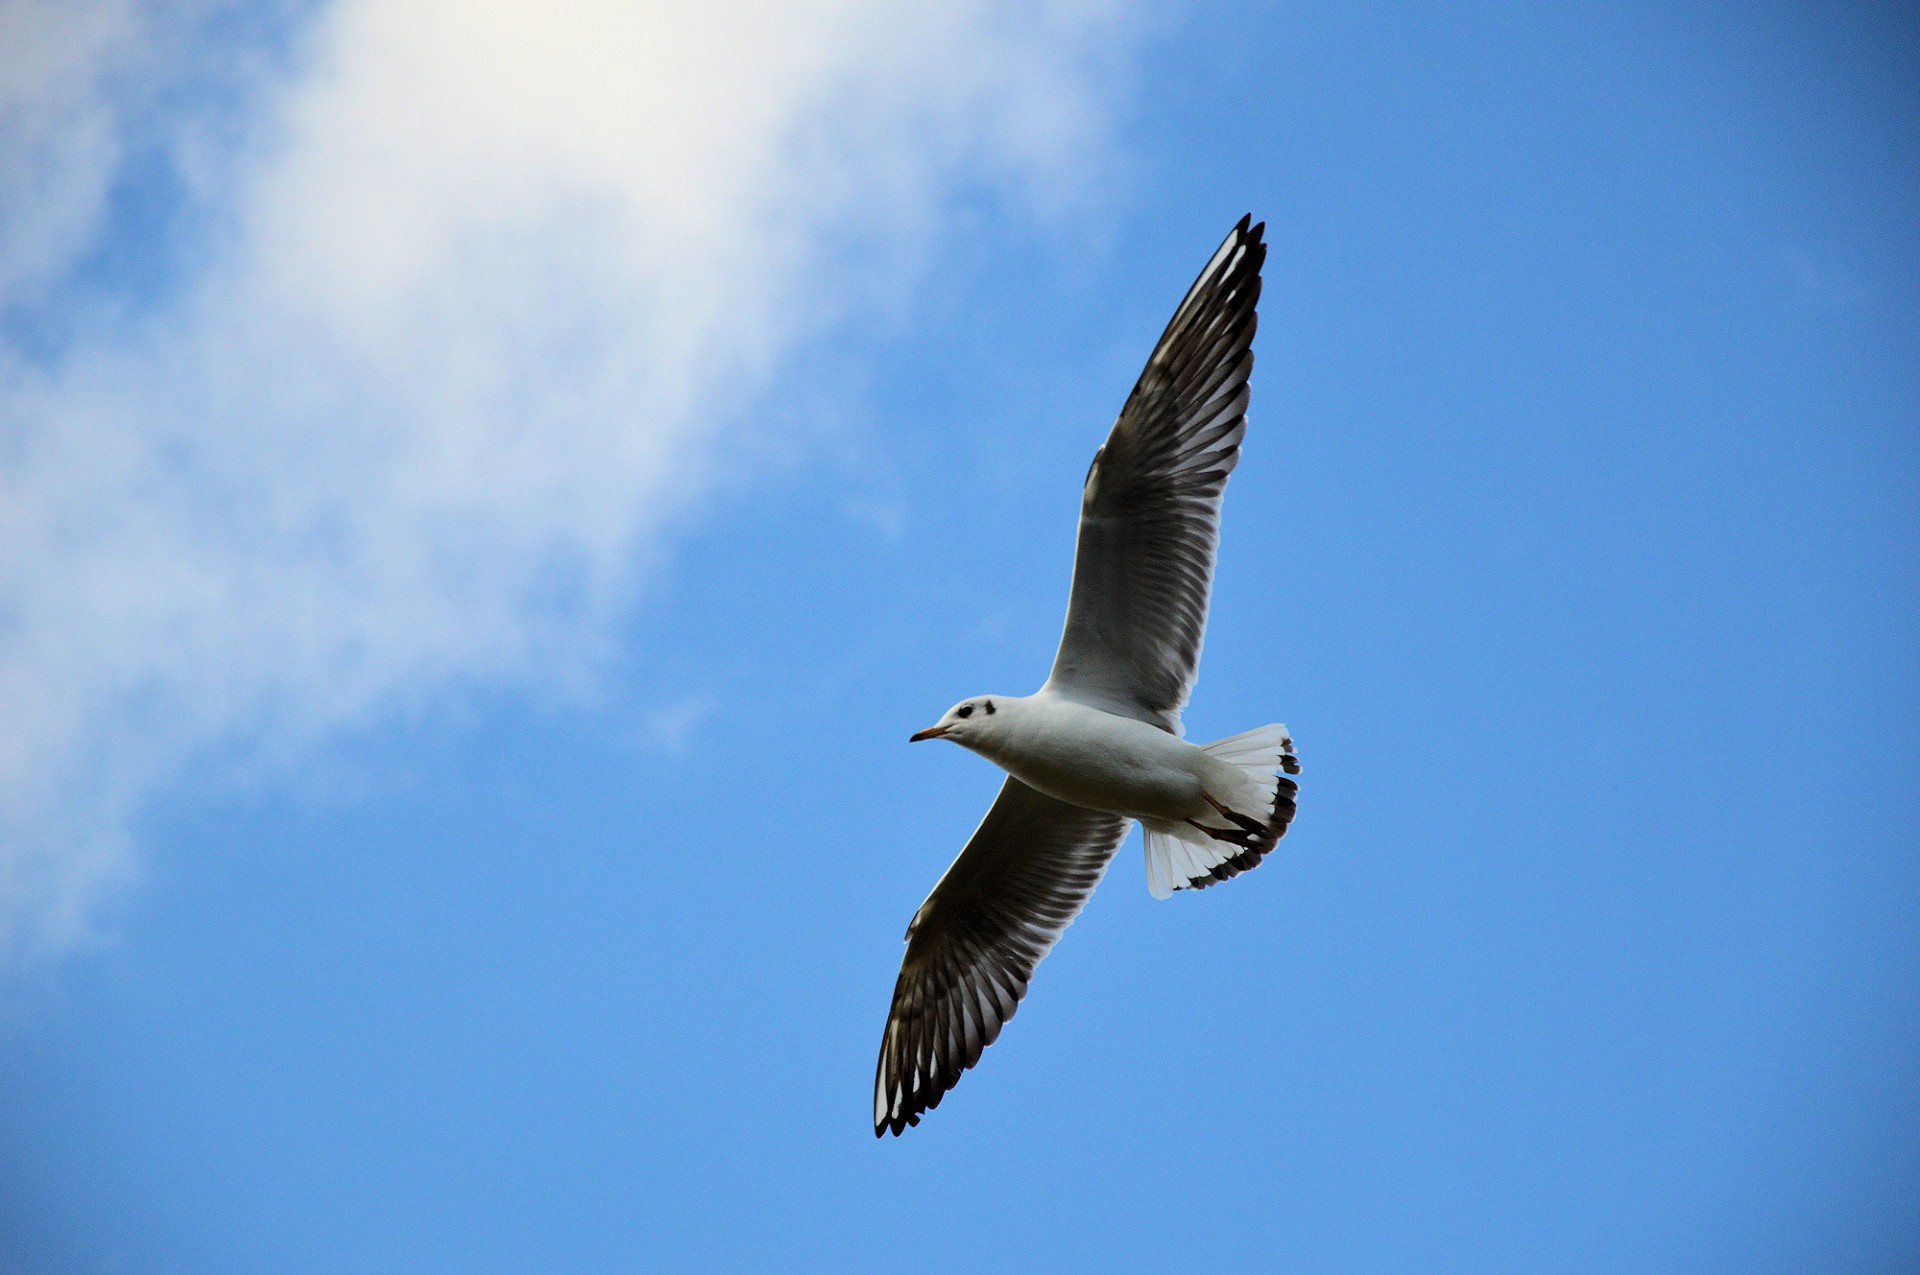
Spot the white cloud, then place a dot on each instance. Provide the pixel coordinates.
(476, 288)
(670, 728)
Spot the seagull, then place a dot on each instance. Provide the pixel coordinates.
(1099, 747)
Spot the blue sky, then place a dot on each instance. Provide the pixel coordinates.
(473, 573)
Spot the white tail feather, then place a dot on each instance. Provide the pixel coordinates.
(1181, 857)
(1177, 858)
(1259, 750)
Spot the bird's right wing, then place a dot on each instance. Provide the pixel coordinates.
(972, 946)
(1150, 510)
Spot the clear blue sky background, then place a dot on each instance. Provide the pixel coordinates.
(1575, 538)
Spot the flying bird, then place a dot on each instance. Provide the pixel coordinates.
(1099, 745)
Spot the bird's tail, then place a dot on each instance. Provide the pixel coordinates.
(1250, 822)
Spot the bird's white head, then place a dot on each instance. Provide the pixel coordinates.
(968, 722)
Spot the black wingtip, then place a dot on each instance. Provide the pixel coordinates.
(897, 1125)
(1247, 237)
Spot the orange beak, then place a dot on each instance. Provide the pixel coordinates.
(931, 732)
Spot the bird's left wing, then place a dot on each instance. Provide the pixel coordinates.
(973, 945)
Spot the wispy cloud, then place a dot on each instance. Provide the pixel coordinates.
(465, 293)
(670, 728)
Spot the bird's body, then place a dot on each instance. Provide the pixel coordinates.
(1099, 745)
(1097, 760)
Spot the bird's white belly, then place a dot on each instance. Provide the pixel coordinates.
(1099, 761)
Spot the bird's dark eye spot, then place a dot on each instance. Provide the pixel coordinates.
(989, 707)
(965, 710)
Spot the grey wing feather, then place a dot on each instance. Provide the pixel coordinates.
(1150, 511)
(972, 947)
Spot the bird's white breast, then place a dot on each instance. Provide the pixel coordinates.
(1086, 757)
